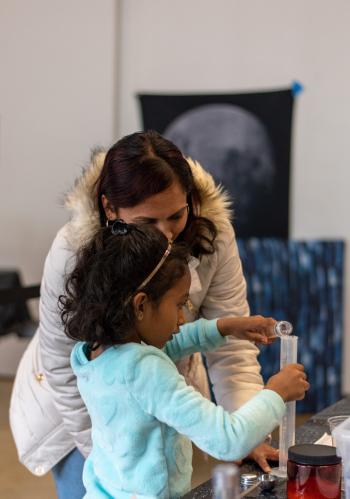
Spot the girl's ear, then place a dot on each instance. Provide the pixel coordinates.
(110, 212)
(140, 301)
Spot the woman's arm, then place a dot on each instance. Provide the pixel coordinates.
(233, 368)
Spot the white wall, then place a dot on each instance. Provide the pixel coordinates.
(58, 63)
(234, 45)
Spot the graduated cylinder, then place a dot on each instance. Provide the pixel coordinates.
(288, 355)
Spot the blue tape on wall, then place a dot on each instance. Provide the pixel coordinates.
(297, 88)
(302, 282)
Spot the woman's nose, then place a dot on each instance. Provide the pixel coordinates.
(166, 229)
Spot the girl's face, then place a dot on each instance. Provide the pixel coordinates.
(167, 210)
(157, 323)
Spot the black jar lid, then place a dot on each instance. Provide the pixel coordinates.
(313, 454)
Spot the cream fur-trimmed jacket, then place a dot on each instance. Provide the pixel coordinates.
(47, 415)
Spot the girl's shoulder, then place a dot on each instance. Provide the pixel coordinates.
(128, 361)
(139, 359)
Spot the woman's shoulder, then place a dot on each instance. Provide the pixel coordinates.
(223, 265)
(224, 244)
(64, 247)
(226, 233)
(60, 260)
(60, 252)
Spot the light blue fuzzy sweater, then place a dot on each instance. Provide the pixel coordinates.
(144, 417)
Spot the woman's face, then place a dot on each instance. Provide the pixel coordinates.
(167, 210)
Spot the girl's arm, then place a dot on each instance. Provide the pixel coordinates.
(203, 335)
(163, 393)
(199, 336)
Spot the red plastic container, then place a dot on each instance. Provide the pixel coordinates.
(314, 472)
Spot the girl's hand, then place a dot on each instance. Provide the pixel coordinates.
(255, 328)
(290, 383)
(262, 454)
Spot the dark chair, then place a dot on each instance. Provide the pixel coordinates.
(14, 313)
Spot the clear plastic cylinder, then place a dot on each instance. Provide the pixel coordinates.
(226, 482)
(289, 353)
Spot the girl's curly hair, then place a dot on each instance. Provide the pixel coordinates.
(97, 306)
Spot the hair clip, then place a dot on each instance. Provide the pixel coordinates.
(120, 228)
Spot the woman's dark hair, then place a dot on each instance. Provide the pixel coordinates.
(143, 164)
(97, 306)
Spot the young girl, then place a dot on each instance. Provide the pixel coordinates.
(124, 300)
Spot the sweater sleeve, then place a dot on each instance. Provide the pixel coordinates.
(163, 393)
(199, 336)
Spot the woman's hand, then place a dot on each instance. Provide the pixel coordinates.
(255, 328)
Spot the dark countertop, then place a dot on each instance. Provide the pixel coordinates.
(313, 429)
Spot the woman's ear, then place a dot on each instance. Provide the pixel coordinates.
(140, 302)
(108, 208)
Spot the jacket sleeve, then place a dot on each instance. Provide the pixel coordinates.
(198, 336)
(225, 436)
(56, 347)
(233, 368)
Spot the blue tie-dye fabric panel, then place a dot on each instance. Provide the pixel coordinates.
(302, 282)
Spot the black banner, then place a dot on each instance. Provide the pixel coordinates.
(243, 140)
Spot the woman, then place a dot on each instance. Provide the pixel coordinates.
(143, 179)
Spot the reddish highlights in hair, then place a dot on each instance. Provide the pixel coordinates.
(139, 166)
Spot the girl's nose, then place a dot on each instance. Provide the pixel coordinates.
(181, 318)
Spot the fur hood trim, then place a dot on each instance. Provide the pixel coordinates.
(215, 203)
